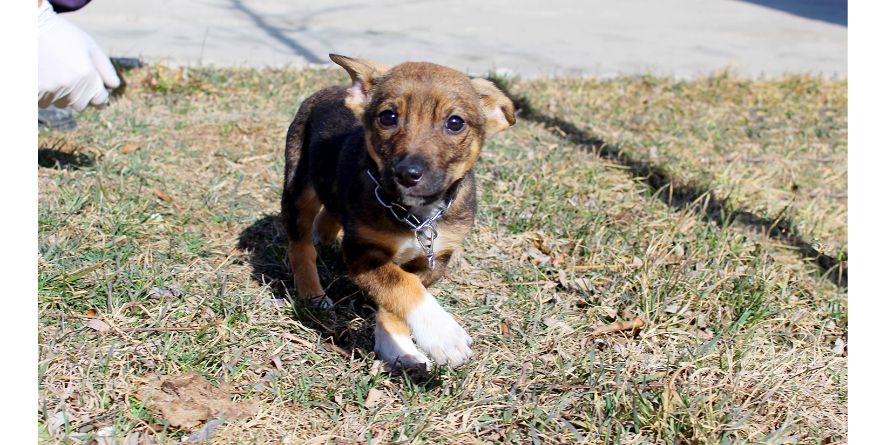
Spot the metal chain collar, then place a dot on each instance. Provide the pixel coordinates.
(425, 231)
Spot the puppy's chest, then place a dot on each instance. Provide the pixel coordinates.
(447, 241)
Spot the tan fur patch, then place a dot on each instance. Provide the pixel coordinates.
(392, 323)
(326, 227)
(303, 262)
(459, 170)
(390, 242)
(392, 288)
(302, 254)
(405, 248)
(370, 149)
(451, 237)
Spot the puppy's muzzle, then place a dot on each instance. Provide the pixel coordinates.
(409, 171)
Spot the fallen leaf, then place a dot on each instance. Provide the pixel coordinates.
(161, 292)
(633, 325)
(98, 325)
(618, 346)
(679, 250)
(672, 308)
(579, 284)
(91, 313)
(373, 397)
(505, 330)
(275, 359)
(553, 323)
(610, 312)
(704, 335)
(275, 302)
(78, 436)
(263, 382)
(539, 243)
(105, 436)
(56, 422)
(377, 366)
(162, 195)
(537, 256)
(549, 285)
(562, 277)
(129, 148)
(187, 400)
(335, 348)
(203, 434)
(584, 284)
(295, 339)
(701, 321)
(131, 439)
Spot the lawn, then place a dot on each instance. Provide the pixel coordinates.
(161, 255)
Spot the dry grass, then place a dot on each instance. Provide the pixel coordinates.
(777, 148)
(181, 233)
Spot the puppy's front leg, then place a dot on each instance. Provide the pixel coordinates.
(394, 345)
(401, 295)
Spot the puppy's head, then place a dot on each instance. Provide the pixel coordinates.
(424, 123)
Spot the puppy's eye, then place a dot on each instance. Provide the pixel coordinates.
(387, 118)
(455, 124)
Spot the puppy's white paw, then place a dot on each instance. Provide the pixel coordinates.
(438, 334)
(399, 351)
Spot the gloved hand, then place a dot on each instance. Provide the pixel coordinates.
(72, 70)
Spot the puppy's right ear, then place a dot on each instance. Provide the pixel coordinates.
(499, 108)
(364, 74)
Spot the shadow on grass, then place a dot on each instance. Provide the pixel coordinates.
(348, 324)
(699, 198)
(49, 157)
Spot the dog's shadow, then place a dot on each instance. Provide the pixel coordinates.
(348, 324)
(51, 157)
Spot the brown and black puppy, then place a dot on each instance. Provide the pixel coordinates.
(395, 147)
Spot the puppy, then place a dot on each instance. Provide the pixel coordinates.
(389, 161)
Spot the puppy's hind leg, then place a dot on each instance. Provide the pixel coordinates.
(300, 207)
(326, 227)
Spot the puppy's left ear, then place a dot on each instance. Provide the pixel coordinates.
(499, 109)
(364, 74)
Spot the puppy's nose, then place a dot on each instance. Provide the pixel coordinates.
(409, 171)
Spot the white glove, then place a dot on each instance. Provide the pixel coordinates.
(72, 69)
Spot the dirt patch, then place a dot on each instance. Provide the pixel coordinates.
(186, 401)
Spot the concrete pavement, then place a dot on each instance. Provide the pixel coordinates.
(683, 38)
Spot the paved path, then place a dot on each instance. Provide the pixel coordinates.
(684, 38)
